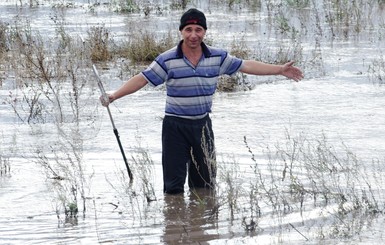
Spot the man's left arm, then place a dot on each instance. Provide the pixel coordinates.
(259, 68)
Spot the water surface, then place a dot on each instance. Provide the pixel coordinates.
(343, 104)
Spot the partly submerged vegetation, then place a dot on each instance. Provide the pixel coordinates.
(299, 178)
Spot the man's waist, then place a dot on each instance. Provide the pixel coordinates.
(189, 118)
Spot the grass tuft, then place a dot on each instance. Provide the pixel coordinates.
(145, 47)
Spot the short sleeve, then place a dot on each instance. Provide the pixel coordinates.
(230, 64)
(156, 72)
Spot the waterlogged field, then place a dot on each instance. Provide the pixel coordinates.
(298, 163)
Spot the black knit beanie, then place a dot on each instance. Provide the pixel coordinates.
(193, 16)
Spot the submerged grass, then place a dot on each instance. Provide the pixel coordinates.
(302, 174)
(44, 68)
(5, 165)
(135, 199)
(296, 183)
(376, 71)
(300, 177)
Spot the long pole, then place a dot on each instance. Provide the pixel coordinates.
(105, 97)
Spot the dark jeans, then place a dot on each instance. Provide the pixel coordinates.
(188, 145)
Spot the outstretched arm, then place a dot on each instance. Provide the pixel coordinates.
(131, 86)
(259, 68)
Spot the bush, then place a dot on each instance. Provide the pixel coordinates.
(3, 38)
(145, 47)
(99, 40)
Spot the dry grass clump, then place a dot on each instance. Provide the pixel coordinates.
(3, 48)
(299, 4)
(179, 4)
(231, 4)
(126, 6)
(3, 38)
(5, 166)
(98, 41)
(238, 81)
(145, 47)
(377, 71)
(231, 83)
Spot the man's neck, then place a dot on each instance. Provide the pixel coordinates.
(191, 51)
(192, 54)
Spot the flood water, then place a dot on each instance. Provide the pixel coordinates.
(338, 100)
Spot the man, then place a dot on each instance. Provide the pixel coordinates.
(191, 72)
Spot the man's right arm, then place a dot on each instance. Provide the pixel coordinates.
(131, 86)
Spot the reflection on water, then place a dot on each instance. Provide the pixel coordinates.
(191, 220)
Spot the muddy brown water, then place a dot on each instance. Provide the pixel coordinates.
(337, 98)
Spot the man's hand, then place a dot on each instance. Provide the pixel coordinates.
(106, 101)
(292, 72)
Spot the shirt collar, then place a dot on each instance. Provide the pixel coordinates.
(205, 49)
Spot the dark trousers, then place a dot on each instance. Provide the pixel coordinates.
(187, 147)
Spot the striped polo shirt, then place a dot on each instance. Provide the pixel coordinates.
(190, 89)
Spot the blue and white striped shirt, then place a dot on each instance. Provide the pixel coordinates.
(190, 89)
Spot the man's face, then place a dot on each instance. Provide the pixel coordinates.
(193, 35)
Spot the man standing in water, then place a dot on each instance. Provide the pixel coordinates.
(190, 71)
